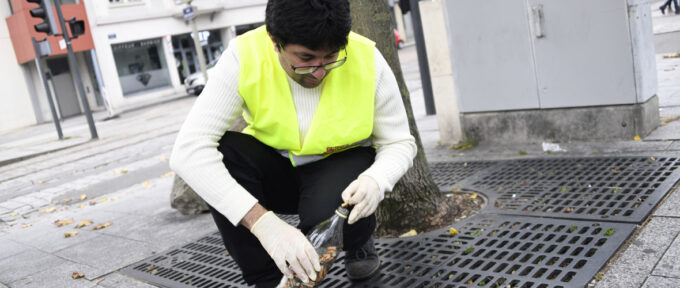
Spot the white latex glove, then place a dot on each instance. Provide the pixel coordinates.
(285, 243)
(365, 194)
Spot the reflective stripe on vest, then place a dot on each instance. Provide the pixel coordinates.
(343, 117)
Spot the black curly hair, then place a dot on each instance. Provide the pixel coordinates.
(315, 24)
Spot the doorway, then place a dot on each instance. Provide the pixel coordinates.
(64, 89)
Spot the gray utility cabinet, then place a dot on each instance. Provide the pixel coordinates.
(540, 54)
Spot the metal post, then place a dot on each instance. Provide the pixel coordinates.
(76, 71)
(422, 58)
(38, 64)
(199, 48)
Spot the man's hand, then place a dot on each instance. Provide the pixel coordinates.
(285, 243)
(365, 195)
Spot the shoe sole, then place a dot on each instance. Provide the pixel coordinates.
(367, 276)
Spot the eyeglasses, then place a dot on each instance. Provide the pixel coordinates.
(302, 70)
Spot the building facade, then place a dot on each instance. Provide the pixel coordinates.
(137, 52)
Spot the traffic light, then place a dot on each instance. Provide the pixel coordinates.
(77, 27)
(49, 25)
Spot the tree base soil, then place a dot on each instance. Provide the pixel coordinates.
(455, 207)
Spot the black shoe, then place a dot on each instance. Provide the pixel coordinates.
(362, 263)
(663, 11)
(677, 11)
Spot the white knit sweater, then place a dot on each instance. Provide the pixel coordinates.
(196, 159)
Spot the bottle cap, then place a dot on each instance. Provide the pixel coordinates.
(342, 212)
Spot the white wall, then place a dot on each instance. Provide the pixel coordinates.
(16, 109)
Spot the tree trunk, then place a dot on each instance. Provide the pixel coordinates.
(415, 196)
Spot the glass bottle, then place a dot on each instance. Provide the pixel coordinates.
(326, 237)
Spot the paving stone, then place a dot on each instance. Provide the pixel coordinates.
(9, 248)
(106, 254)
(117, 280)
(12, 205)
(164, 230)
(661, 282)
(45, 235)
(669, 207)
(669, 265)
(27, 263)
(675, 146)
(56, 276)
(638, 261)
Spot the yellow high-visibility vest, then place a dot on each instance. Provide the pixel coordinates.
(343, 117)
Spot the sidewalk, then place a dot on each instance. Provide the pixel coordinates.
(40, 139)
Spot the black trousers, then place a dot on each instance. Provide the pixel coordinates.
(312, 191)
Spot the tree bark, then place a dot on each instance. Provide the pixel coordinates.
(415, 196)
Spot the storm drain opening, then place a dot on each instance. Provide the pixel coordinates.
(606, 189)
(549, 223)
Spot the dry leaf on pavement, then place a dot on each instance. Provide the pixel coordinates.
(48, 210)
(103, 199)
(67, 200)
(147, 185)
(82, 205)
(26, 225)
(473, 195)
(166, 175)
(98, 281)
(60, 223)
(77, 275)
(163, 158)
(121, 171)
(70, 234)
(82, 197)
(14, 214)
(93, 202)
(41, 181)
(84, 223)
(453, 231)
(102, 226)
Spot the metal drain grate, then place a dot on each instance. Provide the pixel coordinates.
(490, 251)
(609, 189)
(608, 195)
(449, 174)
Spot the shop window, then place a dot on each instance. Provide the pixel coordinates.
(141, 65)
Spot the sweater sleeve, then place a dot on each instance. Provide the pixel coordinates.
(396, 148)
(195, 157)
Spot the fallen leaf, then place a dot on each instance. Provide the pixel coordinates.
(93, 202)
(60, 223)
(150, 267)
(98, 281)
(67, 200)
(83, 223)
(26, 225)
(70, 234)
(48, 210)
(103, 199)
(163, 158)
(473, 196)
(166, 175)
(82, 197)
(147, 185)
(453, 231)
(412, 232)
(41, 181)
(77, 275)
(522, 152)
(102, 226)
(154, 271)
(121, 171)
(470, 282)
(82, 206)
(14, 214)
(114, 198)
(637, 138)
